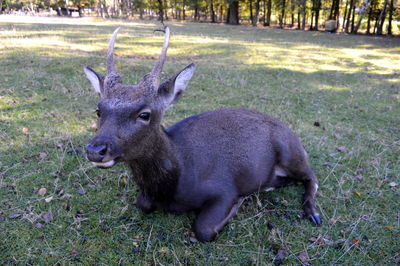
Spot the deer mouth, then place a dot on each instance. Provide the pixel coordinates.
(107, 164)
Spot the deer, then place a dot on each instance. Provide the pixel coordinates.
(207, 163)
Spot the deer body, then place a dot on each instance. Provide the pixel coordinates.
(207, 162)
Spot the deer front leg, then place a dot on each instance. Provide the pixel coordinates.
(144, 204)
(213, 216)
(311, 187)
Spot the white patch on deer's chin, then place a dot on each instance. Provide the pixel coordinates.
(104, 165)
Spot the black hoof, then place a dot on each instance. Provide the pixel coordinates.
(315, 219)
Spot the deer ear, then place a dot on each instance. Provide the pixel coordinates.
(95, 79)
(171, 90)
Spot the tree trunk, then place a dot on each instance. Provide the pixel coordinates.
(318, 8)
(105, 9)
(165, 9)
(1, 7)
(292, 13)
(303, 15)
(390, 17)
(369, 17)
(251, 10)
(312, 21)
(59, 12)
(362, 12)
(264, 11)
(184, 9)
(212, 12)
(332, 10)
(233, 13)
(349, 16)
(196, 13)
(282, 15)
(381, 19)
(345, 15)
(298, 20)
(269, 12)
(353, 19)
(160, 11)
(255, 17)
(337, 13)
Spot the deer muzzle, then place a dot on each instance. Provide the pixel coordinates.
(103, 152)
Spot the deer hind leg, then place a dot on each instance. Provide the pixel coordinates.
(214, 216)
(311, 186)
(300, 171)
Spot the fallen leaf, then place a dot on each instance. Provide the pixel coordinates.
(60, 192)
(81, 191)
(14, 216)
(135, 244)
(48, 199)
(332, 221)
(303, 256)
(193, 240)
(38, 225)
(356, 242)
(392, 184)
(25, 130)
(75, 252)
(341, 149)
(366, 217)
(317, 240)
(42, 155)
(65, 205)
(357, 193)
(281, 255)
(124, 181)
(93, 127)
(390, 227)
(47, 217)
(359, 177)
(42, 191)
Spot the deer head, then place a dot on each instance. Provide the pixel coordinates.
(130, 115)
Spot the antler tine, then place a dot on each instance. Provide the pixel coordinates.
(156, 72)
(110, 53)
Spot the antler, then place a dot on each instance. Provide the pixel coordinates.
(110, 53)
(156, 71)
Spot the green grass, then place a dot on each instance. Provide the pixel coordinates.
(349, 84)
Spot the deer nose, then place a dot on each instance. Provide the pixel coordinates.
(96, 153)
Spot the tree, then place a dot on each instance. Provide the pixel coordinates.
(349, 15)
(233, 12)
(212, 12)
(160, 10)
(360, 17)
(256, 14)
(391, 7)
(268, 13)
(381, 19)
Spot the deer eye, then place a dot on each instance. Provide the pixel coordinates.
(145, 116)
(97, 112)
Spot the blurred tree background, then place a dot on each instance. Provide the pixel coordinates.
(350, 16)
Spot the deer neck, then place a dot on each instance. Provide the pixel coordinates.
(157, 173)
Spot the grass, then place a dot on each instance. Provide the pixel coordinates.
(348, 84)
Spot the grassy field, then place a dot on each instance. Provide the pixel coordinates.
(339, 93)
